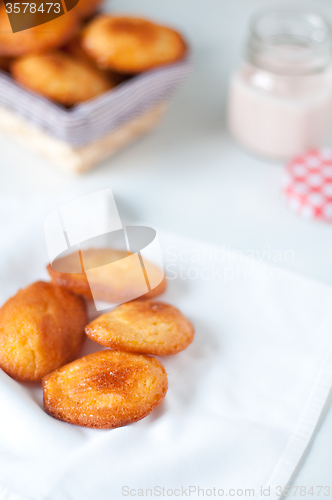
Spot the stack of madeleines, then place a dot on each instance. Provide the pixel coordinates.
(81, 54)
(42, 329)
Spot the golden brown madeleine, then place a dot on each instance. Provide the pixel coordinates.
(38, 39)
(105, 389)
(86, 8)
(116, 283)
(41, 329)
(60, 77)
(131, 44)
(145, 326)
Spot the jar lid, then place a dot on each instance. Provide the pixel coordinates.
(307, 185)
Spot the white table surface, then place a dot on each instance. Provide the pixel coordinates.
(189, 177)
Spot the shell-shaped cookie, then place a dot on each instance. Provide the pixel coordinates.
(116, 283)
(131, 44)
(145, 326)
(105, 389)
(41, 329)
(60, 77)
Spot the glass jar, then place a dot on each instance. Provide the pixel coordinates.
(280, 100)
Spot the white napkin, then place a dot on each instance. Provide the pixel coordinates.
(242, 403)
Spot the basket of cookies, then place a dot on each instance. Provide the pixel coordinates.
(81, 86)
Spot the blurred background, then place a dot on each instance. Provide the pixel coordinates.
(189, 176)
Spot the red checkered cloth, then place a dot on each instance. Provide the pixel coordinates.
(307, 185)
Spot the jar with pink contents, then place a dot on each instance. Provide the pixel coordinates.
(280, 100)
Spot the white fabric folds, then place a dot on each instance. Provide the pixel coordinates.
(243, 399)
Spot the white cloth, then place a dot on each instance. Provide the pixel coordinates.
(242, 403)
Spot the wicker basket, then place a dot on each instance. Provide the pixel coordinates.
(78, 138)
(80, 159)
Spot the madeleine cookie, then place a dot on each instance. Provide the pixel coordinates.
(38, 39)
(86, 8)
(60, 77)
(130, 44)
(147, 326)
(114, 283)
(105, 389)
(41, 329)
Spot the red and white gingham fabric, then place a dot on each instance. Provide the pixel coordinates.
(307, 185)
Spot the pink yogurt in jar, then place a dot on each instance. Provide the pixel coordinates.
(280, 99)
